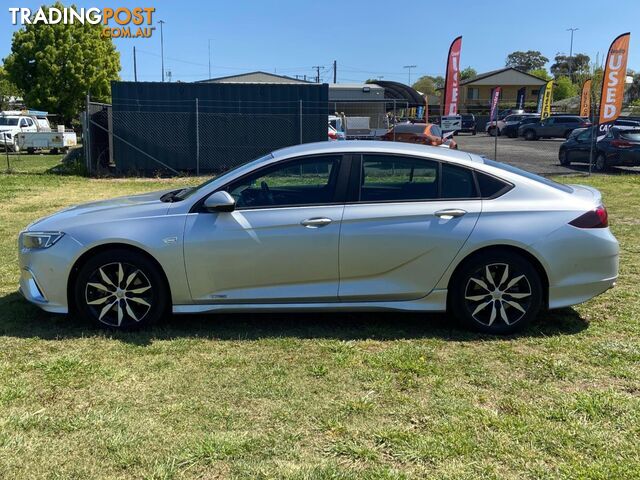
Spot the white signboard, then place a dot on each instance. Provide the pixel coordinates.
(451, 123)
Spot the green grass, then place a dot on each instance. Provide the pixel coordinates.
(325, 396)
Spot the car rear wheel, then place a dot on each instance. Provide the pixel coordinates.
(530, 135)
(601, 163)
(493, 131)
(563, 156)
(121, 290)
(497, 293)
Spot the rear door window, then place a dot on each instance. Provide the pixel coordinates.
(457, 182)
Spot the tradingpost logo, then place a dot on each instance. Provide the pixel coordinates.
(117, 22)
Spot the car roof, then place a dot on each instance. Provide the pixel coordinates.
(375, 146)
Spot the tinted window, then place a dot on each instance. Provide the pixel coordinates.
(529, 175)
(304, 181)
(8, 121)
(390, 178)
(489, 186)
(584, 136)
(457, 182)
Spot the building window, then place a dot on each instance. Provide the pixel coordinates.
(535, 92)
(473, 94)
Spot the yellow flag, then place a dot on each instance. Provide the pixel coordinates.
(546, 101)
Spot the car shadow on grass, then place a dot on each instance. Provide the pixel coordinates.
(23, 320)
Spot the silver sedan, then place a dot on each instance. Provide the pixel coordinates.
(330, 226)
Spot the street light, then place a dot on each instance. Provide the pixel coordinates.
(571, 50)
(161, 22)
(409, 67)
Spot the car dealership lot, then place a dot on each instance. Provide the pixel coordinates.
(314, 396)
(538, 156)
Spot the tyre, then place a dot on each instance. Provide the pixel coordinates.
(601, 163)
(121, 290)
(491, 131)
(473, 133)
(563, 156)
(530, 135)
(31, 150)
(497, 293)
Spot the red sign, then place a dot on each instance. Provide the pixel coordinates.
(452, 80)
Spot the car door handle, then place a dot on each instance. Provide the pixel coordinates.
(450, 213)
(316, 222)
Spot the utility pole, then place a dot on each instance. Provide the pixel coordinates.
(409, 67)
(135, 65)
(209, 58)
(318, 67)
(335, 71)
(161, 22)
(571, 51)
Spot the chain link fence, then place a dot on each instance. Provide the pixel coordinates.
(199, 138)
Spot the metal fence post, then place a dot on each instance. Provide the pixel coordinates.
(197, 139)
(87, 135)
(301, 122)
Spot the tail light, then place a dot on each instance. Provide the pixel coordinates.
(618, 143)
(596, 218)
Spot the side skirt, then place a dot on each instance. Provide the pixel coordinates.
(436, 301)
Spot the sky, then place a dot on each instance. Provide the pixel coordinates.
(368, 39)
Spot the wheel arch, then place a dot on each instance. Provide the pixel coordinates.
(535, 262)
(82, 259)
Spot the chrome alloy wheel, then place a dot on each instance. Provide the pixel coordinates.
(118, 292)
(494, 292)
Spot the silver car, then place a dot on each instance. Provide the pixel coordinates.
(330, 226)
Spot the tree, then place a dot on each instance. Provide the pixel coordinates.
(56, 65)
(579, 65)
(540, 73)
(564, 88)
(468, 73)
(7, 89)
(526, 61)
(429, 85)
(633, 91)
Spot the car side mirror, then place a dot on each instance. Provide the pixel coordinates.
(220, 202)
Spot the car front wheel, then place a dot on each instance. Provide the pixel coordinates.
(563, 156)
(121, 290)
(497, 293)
(601, 163)
(530, 135)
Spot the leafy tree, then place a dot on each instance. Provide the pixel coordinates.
(633, 91)
(526, 61)
(540, 73)
(7, 89)
(564, 88)
(468, 73)
(579, 65)
(429, 85)
(56, 65)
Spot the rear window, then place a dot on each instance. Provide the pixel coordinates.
(468, 117)
(529, 175)
(490, 186)
(633, 135)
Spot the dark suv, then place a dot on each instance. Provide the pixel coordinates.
(557, 126)
(468, 124)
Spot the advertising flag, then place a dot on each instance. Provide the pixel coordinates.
(495, 96)
(540, 96)
(546, 100)
(585, 99)
(452, 79)
(615, 71)
(520, 98)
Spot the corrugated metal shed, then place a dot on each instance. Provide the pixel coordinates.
(210, 127)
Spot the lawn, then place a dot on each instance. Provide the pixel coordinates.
(366, 396)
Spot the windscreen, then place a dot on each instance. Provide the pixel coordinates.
(8, 121)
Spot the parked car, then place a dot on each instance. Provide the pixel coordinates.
(468, 124)
(13, 123)
(511, 129)
(422, 133)
(621, 146)
(556, 126)
(347, 225)
(510, 121)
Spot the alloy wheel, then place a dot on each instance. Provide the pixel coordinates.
(497, 293)
(118, 293)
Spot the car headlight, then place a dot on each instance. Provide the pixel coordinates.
(39, 240)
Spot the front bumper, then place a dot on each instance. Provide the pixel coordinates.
(44, 274)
